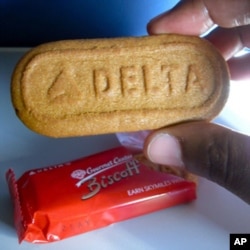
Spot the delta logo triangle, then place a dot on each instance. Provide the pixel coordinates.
(64, 88)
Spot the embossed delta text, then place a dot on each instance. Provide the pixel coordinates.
(140, 80)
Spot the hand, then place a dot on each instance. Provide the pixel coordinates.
(196, 17)
(207, 149)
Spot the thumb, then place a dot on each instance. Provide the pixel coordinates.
(209, 150)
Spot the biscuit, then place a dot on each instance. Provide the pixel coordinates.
(97, 86)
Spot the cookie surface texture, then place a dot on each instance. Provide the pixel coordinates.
(97, 86)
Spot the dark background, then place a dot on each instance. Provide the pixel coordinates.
(31, 22)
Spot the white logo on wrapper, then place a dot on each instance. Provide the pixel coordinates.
(78, 174)
(103, 167)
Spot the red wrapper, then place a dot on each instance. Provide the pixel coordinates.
(60, 201)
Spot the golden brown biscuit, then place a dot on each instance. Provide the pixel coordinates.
(83, 87)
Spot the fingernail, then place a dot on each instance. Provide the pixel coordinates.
(165, 149)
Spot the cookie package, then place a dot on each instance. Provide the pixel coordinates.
(63, 200)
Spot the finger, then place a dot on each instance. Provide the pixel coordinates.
(228, 13)
(240, 67)
(187, 17)
(194, 17)
(230, 41)
(205, 149)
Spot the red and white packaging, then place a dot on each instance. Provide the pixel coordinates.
(60, 201)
